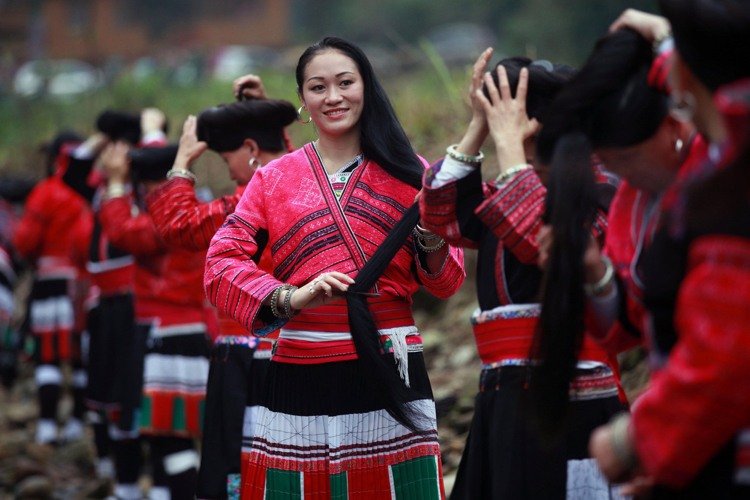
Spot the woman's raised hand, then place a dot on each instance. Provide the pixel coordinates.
(190, 147)
(649, 26)
(506, 115)
(476, 132)
(248, 87)
(322, 290)
(477, 80)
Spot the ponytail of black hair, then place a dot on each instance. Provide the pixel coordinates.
(382, 138)
(608, 103)
(570, 209)
(385, 383)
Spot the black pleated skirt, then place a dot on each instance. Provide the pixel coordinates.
(505, 457)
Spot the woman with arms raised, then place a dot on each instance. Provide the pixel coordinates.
(501, 218)
(247, 135)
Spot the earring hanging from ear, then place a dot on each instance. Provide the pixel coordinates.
(299, 116)
(254, 163)
(678, 145)
(682, 106)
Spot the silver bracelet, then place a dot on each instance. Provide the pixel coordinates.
(593, 289)
(181, 172)
(453, 152)
(275, 301)
(508, 174)
(288, 312)
(426, 247)
(115, 190)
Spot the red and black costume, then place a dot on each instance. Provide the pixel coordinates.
(503, 455)
(53, 217)
(239, 361)
(691, 427)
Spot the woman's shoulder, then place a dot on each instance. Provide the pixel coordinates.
(291, 160)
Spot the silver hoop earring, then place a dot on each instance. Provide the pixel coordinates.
(253, 162)
(682, 106)
(299, 116)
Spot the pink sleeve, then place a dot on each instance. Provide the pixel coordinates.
(233, 282)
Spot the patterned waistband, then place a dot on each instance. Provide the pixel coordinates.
(327, 347)
(595, 382)
(505, 335)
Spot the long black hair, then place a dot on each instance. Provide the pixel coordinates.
(608, 103)
(609, 99)
(382, 138)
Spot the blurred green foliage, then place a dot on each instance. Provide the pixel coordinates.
(430, 100)
(432, 114)
(558, 30)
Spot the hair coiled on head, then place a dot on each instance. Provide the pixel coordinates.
(571, 207)
(382, 138)
(609, 98)
(226, 126)
(545, 81)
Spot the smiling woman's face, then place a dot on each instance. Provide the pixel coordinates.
(333, 93)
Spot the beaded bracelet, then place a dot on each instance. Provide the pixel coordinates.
(453, 152)
(181, 172)
(288, 312)
(275, 301)
(593, 289)
(508, 174)
(115, 190)
(428, 247)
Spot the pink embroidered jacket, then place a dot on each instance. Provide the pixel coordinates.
(290, 204)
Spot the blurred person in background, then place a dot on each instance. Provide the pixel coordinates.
(619, 100)
(45, 237)
(348, 407)
(110, 322)
(687, 435)
(168, 358)
(507, 455)
(247, 135)
(13, 192)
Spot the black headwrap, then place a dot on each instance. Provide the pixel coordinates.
(712, 37)
(152, 164)
(225, 127)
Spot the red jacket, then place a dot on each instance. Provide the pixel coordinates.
(168, 282)
(698, 401)
(52, 219)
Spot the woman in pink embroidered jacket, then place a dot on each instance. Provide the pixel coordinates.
(348, 408)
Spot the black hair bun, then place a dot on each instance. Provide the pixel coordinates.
(226, 126)
(152, 163)
(120, 126)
